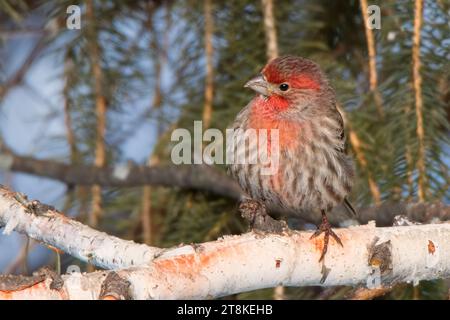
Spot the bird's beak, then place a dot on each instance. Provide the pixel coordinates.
(259, 84)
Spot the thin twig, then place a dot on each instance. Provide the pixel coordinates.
(100, 111)
(270, 29)
(357, 146)
(209, 52)
(417, 85)
(373, 77)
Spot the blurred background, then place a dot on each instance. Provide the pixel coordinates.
(112, 91)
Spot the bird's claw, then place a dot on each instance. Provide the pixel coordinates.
(325, 228)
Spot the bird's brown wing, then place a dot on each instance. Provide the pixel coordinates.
(340, 132)
(349, 207)
(342, 138)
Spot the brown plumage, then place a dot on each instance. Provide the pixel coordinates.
(314, 173)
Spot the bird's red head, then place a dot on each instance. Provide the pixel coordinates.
(290, 83)
(295, 72)
(287, 75)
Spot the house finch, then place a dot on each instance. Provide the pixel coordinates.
(314, 173)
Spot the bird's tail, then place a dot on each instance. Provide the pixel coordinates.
(349, 207)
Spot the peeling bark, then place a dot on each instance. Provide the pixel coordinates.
(115, 287)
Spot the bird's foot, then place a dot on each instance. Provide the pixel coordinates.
(325, 228)
(256, 214)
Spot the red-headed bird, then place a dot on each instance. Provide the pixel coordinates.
(314, 174)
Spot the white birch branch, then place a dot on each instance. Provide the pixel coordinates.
(233, 264)
(68, 235)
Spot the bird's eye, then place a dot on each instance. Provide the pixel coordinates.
(284, 87)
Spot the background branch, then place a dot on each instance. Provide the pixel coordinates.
(207, 179)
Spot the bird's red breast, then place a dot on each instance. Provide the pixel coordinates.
(265, 114)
